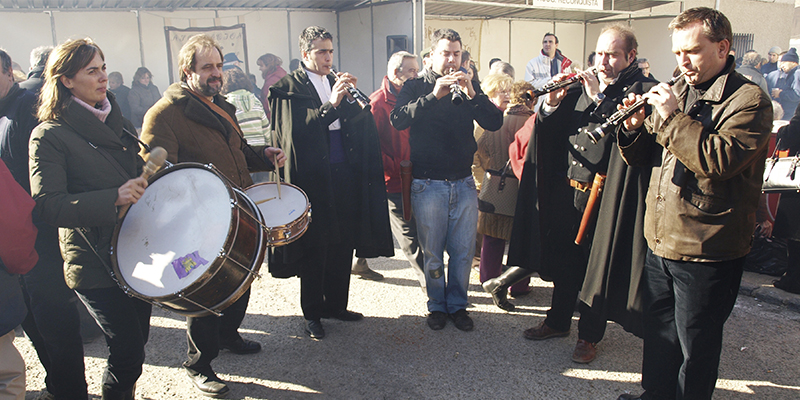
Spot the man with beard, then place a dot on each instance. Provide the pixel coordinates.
(544, 237)
(194, 123)
(706, 141)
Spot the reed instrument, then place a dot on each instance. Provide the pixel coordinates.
(455, 90)
(359, 96)
(611, 124)
(553, 86)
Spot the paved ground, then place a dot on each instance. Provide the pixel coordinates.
(393, 355)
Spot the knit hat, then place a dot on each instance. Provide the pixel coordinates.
(791, 55)
(775, 49)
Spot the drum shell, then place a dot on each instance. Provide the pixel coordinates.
(283, 234)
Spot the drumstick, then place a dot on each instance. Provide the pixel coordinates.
(156, 160)
(265, 200)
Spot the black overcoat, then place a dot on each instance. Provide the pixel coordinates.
(300, 121)
(787, 220)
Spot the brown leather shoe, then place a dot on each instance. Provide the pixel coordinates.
(584, 352)
(542, 332)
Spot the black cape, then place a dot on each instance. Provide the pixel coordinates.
(299, 117)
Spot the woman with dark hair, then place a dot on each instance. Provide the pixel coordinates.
(84, 166)
(142, 96)
(270, 66)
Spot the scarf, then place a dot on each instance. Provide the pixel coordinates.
(101, 113)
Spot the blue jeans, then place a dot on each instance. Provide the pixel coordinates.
(447, 219)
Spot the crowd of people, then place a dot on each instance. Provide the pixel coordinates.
(642, 225)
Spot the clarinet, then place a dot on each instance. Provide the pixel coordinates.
(455, 89)
(553, 86)
(359, 96)
(618, 117)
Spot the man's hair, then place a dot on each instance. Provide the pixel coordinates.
(396, 62)
(66, 60)
(39, 56)
(751, 59)
(550, 34)
(492, 61)
(716, 26)
(642, 61)
(625, 33)
(187, 55)
(235, 79)
(447, 34)
(518, 90)
(5, 60)
(464, 56)
(116, 76)
(496, 82)
(311, 34)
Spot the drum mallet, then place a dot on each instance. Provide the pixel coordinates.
(154, 163)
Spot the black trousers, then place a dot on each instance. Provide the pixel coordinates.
(53, 323)
(125, 321)
(567, 284)
(204, 334)
(686, 305)
(325, 271)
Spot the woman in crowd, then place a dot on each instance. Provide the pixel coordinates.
(142, 96)
(493, 154)
(270, 66)
(84, 167)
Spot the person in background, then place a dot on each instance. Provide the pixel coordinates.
(473, 72)
(644, 65)
(249, 114)
(271, 71)
(402, 66)
(502, 67)
(53, 322)
(17, 256)
(142, 96)
(294, 64)
(774, 55)
(787, 220)
(492, 154)
(492, 61)
(117, 86)
(542, 68)
(38, 61)
(749, 69)
(784, 83)
(83, 167)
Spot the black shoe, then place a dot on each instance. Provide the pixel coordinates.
(314, 329)
(209, 385)
(787, 285)
(241, 346)
(629, 396)
(437, 320)
(344, 315)
(462, 320)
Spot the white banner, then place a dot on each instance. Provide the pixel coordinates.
(232, 39)
(596, 5)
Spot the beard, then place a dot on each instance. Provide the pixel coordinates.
(208, 90)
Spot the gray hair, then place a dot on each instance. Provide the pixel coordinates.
(503, 68)
(751, 58)
(39, 56)
(396, 62)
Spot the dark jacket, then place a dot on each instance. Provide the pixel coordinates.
(17, 120)
(34, 82)
(441, 139)
(708, 166)
(755, 76)
(75, 185)
(789, 84)
(190, 132)
(301, 121)
(787, 220)
(122, 93)
(140, 99)
(548, 209)
(394, 143)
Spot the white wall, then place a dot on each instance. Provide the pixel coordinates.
(389, 20)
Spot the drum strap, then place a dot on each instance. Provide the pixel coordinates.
(102, 261)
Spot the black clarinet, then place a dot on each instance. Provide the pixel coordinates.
(553, 86)
(359, 96)
(455, 89)
(620, 116)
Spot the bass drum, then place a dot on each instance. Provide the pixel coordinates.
(192, 244)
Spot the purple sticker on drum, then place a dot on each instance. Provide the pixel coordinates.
(184, 265)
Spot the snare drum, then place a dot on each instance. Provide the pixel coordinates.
(192, 244)
(285, 218)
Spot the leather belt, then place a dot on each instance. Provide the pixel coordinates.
(582, 186)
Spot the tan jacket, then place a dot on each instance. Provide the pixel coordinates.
(190, 132)
(705, 185)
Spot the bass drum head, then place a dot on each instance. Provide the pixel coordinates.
(171, 236)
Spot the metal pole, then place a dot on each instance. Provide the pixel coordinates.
(141, 40)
